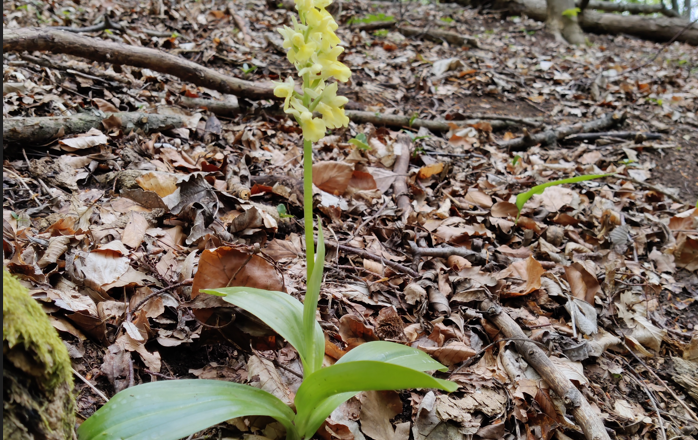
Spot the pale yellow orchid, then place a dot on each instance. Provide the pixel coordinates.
(313, 48)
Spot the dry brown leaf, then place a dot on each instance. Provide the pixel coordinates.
(228, 267)
(105, 106)
(451, 354)
(528, 270)
(427, 171)
(134, 233)
(504, 210)
(162, 184)
(262, 374)
(686, 252)
(56, 247)
(362, 181)
(377, 409)
(479, 198)
(354, 332)
(332, 177)
(583, 284)
(83, 142)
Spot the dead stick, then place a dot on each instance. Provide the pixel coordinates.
(51, 64)
(585, 416)
(371, 256)
(140, 304)
(551, 136)
(445, 252)
(361, 117)
(31, 39)
(402, 164)
(45, 129)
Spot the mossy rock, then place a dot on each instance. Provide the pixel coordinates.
(37, 379)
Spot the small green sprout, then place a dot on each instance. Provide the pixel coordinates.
(446, 19)
(371, 18)
(247, 69)
(382, 33)
(360, 142)
(414, 116)
(281, 209)
(522, 198)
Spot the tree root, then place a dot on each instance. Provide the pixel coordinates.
(586, 418)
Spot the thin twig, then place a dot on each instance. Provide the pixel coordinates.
(445, 252)
(470, 360)
(87, 382)
(651, 397)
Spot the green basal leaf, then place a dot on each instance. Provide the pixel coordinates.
(393, 353)
(315, 340)
(351, 377)
(174, 409)
(522, 198)
(382, 351)
(280, 311)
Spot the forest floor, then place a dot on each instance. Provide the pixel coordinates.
(602, 273)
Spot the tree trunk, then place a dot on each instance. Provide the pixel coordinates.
(675, 5)
(687, 9)
(563, 25)
(649, 28)
(37, 378)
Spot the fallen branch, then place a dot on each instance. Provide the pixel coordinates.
(636, 136)
(551, 136)
(371, 256)
(31, 39)
(586, 418)
(633, 8)
(473, 257)
(45, 129)
(402, 163)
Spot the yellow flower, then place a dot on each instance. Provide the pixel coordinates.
(334, 117)
(285, 90)
(330, 65)
(304, 5)
(313, 128)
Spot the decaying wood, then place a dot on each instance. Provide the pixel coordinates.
(633, 8)
(45, 129)
(586, 418)
(31, 39)
(649, 28)
(551, 136)
(402, 163)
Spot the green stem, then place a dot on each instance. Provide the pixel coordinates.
(308, 206)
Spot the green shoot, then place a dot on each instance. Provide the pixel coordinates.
(522, 198)
(360, 142)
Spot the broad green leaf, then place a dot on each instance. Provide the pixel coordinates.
(173, 409)
(393, 353)
(522, 198)
(315, 341)
(382, 351)
(280, 311)
(352, 377)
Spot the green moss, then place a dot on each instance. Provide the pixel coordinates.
(37, 376)
(25, 323)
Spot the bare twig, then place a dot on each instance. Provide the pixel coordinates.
(436, 125)
(87, 382)
(637, 136)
